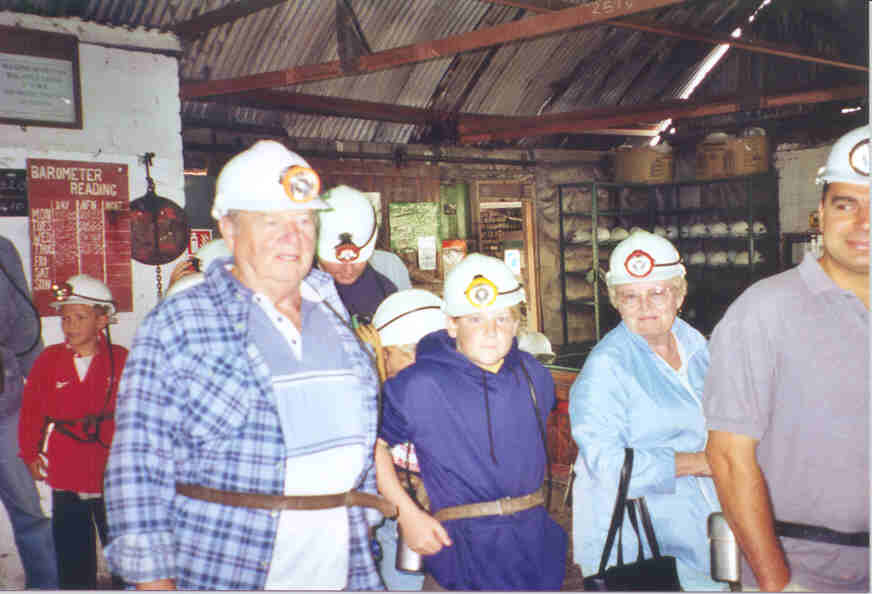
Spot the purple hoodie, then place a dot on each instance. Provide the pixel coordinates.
(477, 439)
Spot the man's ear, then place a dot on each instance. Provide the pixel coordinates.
(228, 231)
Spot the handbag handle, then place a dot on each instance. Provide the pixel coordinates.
(618, 512)
(649, 527)
(631, 513)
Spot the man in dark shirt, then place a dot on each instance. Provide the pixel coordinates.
(346, 241)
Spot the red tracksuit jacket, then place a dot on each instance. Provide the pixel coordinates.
(53, 389)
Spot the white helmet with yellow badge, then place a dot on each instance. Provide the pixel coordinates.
(478, 283)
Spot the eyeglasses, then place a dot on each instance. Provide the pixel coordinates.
(301, 184)
(657, 297)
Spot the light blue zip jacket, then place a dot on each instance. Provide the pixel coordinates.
(627, 396)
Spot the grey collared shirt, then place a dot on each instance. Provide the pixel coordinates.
(790, 368)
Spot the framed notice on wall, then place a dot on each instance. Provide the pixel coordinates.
(13, 193)
(39, 78)
(79, 224)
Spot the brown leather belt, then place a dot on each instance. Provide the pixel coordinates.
(499, 507)
(298, 502)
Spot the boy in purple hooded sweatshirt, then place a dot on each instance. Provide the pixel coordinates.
(475, 407)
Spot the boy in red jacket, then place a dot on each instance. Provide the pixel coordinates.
(66, 423)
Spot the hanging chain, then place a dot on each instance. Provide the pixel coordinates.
(159, 282)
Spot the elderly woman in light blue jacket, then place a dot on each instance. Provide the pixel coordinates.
(640, 388)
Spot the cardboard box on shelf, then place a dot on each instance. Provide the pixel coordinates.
(747, 155)
(711, 156)
(644, 164)
(724, 155)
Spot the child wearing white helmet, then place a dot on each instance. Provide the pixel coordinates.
(475, 407)
(66, 423)
(398, 324)
(346, 242)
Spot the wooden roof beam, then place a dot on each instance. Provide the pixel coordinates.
(371, 110)
(583, 122)
(546, 6)
(531, 27)
(220, 16)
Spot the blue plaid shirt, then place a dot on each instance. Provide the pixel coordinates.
(196, 405)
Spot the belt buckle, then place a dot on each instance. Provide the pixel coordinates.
(500, 502)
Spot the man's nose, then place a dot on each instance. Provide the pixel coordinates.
(291, 230)
(490, 327)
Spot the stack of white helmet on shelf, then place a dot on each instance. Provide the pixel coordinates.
(619, 234)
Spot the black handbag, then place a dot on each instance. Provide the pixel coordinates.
(658, 573)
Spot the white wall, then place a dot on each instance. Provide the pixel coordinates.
(130, 106)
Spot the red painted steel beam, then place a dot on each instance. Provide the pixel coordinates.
(531, 27)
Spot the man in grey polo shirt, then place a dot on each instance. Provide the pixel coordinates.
(787, 401)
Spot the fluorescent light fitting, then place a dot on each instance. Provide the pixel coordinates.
(196, 172)
(851, 109)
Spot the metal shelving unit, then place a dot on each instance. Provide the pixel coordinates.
(752, 199)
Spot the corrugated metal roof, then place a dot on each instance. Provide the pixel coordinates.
(595, 66)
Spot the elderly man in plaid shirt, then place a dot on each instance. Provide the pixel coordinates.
(246, 418)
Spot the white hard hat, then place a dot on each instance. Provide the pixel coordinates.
(84, 289)
(217, 248)
(660, 230)
(719, 229)
(718, 258)
(697, 258)
(643, 257)
(849, 159)
(742, 258)
(602, 234)
(266, 177)
(537, 344)
(186, 282)
(348, 230)
(634, 229)
(619, 233)
(480, 283)
(759, 228)
(580, 236)
(739, 229)
(698, 230)
(407, 316)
